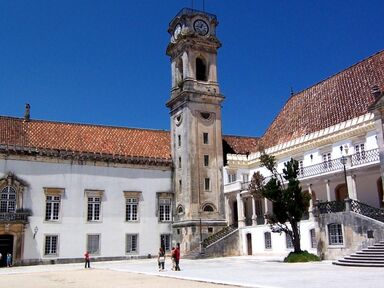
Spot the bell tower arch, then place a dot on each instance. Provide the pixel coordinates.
(195, 111)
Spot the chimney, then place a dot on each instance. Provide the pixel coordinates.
(27, 114)
(375, 91)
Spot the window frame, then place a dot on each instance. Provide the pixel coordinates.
(205, 138)
(132, 204)
(206, 160)
(267, 242)
(98, 251)
(50, 254)
(207, 184)
(288, 242)
(129, 239)
(165, 209)
(167, 242)
(335, 233)
(8, 201)
(312, 238)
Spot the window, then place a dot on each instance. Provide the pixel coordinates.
(245, 178)
(131, 243)
(201, 70)
(205, 138)
(165, 209)
(180, 186)
(313, 238)
(208, 208)
(335, 234)
(94, 204)
(360, 151)
(288, 241)
(8, 200)
(179, 162)
(267, 240)
(327, 163)
(232, 177)
(179, 140)
(50, 247)
(301, 168)
(93, 243)
(180, 209)
(207, 184)
(52, 208)
(210, 229)
(165, 241)
(206, 160)
(131, 208)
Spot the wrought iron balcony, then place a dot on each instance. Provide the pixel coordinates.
(15, 217)
(364, 157)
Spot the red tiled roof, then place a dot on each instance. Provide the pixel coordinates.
(85, 138)
(339, 98)
(241, 144)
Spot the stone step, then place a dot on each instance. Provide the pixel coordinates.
(373, 250)
(357, 264)
(363, 256)
(351, 259)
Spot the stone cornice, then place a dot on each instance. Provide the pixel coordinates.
(344, 130)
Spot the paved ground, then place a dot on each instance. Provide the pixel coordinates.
(234, 271)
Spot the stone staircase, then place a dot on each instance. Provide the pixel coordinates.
(372, 256)
(211, 240)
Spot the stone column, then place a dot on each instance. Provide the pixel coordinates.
(328, 190)
(310, 209)
(254, 215)
(227, 210)
(266, 209)
(351, 182)
(240, 211)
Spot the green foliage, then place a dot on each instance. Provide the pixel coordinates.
(284, 191)
(303, 256)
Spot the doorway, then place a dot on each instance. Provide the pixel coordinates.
(341, 192)
(249, 243)
(6, 246)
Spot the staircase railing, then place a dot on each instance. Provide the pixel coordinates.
(217, 236)
(351, 205)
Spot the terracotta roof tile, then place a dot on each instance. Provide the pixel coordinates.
(85, 138)
(339, 98)
(240, 144)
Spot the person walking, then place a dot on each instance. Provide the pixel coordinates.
(9, 259)
(173, 254)
(161, 259)
(177, 257)
(87, 260)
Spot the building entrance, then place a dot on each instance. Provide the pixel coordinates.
(6, 246)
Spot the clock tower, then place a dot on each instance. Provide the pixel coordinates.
(195, 110)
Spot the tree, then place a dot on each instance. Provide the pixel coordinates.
(284, 191)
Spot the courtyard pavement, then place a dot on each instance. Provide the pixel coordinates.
(244, 271)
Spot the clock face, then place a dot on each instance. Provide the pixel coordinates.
(201, 27)
(177, 31)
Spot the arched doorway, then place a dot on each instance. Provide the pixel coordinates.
(249, 243)
(341, 192)
(6, 246)
(380, 192)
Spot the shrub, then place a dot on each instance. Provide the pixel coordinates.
(302, 256)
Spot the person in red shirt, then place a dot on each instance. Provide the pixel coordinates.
(87, 260)
(177, 257)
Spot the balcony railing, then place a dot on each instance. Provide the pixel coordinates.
(324, 167)
(21, 217)
(365, 157)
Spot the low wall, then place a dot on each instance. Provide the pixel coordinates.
(228, 246)
(355, 229)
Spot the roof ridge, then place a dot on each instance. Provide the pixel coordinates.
(83, 124)
(251, 137)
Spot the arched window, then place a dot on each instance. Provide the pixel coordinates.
(8, 199)
(208, 208)
(201, 70)
(180, 209)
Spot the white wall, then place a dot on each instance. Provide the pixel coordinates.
(73, 227)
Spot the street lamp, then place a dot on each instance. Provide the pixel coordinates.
(343, 161)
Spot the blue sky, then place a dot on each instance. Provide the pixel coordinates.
(104, 62)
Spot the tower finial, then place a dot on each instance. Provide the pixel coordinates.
(27, 114)
(292, 93)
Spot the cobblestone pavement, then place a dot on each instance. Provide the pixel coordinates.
(235, 271)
